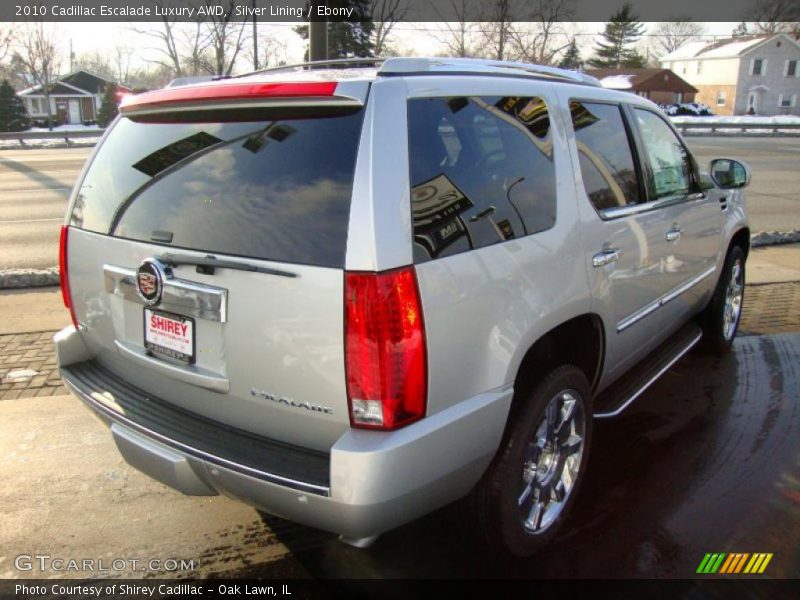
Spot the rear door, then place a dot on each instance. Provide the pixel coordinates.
(623, 241)
(207, 250)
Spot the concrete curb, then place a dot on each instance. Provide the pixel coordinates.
(31, 278)
(774, 238)
(28, 278)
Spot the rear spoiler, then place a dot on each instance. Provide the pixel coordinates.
(245, 95)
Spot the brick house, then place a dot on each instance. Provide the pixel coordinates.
(74, 98)
(659, 85)
(734, 76)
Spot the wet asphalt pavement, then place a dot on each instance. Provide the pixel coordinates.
(706, 461)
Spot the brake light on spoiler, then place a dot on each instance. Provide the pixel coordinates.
(226, 94)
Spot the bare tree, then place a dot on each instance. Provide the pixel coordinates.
(545, 37)
(166, 37)
(121, 57)
(96, 62)
(196, 41)
(671, 35)
(272, 52)
(226, 38)
(775, 16)
(179, 47)
(6, 39)
(39, 55)
(385, 14)
(459, 37)
(499, 27)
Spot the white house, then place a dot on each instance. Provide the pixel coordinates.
(74, 98)
(758, 74)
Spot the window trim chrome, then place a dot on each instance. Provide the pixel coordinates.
(608, 214)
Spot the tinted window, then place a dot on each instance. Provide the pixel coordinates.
(482, 172)
(273, 189)
(607, 166)
(669, 171)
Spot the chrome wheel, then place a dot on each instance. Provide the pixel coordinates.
(551, 462)
(734, 294)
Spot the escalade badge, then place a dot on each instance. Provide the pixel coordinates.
(289, 402)
(150, 281)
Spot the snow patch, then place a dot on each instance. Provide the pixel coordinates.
(617, 82)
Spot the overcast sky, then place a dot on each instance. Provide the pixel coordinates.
(410, 38)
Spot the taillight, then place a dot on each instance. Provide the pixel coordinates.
(385, 349)
(62, 267)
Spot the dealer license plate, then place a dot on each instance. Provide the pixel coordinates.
(167, 335)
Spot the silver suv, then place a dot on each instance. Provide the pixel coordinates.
(351, 293)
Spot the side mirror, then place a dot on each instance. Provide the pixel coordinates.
(729, 174)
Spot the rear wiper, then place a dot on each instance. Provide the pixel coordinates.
(208, 263)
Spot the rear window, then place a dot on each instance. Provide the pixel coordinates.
(275, 188)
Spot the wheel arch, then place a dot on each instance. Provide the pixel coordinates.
(740, 238)
(579, 341)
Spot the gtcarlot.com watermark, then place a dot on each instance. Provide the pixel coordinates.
(58, 564)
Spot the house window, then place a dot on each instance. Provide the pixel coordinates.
(699, 67)
(791, 68)
(758, 66)
(787, 100)
(678, 97)
(721, 98)
(683, 68)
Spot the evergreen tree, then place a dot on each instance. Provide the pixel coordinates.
(615, 50)
(572, 58)
(13, 114)
(347, 39)
(110, 106)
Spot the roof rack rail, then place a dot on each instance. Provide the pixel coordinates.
(399, 66)
(351, 63)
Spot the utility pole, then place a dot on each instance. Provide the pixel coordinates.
(255, 39)
(318, 38)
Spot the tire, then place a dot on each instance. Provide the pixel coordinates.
(721, 319)
(542, 458)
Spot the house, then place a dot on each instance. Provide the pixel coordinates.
(74, 98)
(659, 85)
(758, 74)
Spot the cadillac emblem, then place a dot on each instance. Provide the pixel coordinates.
(150, 281)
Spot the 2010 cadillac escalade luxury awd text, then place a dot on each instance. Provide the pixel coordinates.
(351, 293)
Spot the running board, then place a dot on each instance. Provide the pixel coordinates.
(620, 395)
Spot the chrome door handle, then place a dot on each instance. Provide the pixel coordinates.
(674, 234)
(606, 257)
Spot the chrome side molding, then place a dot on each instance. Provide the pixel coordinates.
(658, 303)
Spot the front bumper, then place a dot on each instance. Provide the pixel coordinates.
(369, 483)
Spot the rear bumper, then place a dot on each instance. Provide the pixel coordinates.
(373, 481)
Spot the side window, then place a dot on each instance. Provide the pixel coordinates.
(481, 170)
(669, 165)
(607, 167)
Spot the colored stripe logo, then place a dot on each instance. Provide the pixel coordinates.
(734, 563)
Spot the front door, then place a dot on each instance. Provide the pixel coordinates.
(690, 221)
(74, 112)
